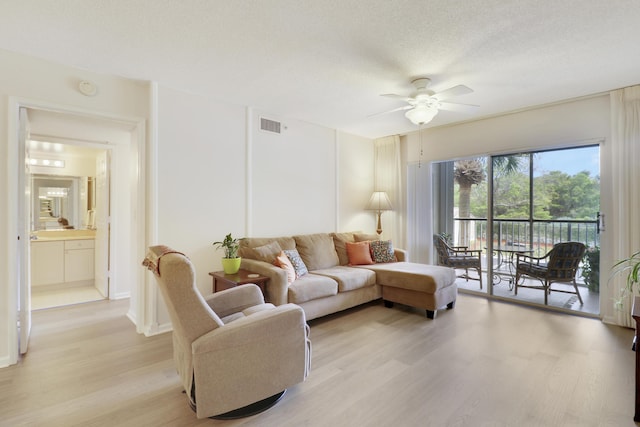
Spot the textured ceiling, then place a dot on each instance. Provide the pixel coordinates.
(327, 61)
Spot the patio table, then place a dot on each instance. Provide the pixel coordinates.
(506, 255)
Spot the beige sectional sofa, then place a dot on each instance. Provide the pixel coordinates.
(332, 285)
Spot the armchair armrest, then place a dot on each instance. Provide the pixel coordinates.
(469, 252)
(234, 300)
(530, 259)
(258, 355)
(464, 252)
(401, 254)
(277, 286)
(264, 325)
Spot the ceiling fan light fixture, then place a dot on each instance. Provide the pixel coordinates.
(421, 114)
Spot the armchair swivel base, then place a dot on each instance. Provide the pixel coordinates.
(246, 411)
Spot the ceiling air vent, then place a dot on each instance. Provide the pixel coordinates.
(269, 125)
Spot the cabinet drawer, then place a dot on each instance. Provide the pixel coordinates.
(79, 244)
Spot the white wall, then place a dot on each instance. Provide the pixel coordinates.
(201, 177)
(293, 178)
(218, 173)
(356, 178)
(554, 126)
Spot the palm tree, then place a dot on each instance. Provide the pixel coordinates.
(467, 173)
(472, 172)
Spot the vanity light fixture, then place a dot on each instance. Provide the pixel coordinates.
(57, 192)
(53, 163)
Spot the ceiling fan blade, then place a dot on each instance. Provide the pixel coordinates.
(394, 96)
(454, 106)
(406, 107)
(451, 92)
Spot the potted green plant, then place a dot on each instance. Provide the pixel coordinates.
(630, 266)
(230, 261)
(591, 268)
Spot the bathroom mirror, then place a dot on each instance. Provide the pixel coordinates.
(61, 202)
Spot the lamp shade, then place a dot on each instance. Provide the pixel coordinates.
(379, 201)
(421, 114)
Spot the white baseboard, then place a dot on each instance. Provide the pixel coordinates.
(122, 295)
(5, 362)
(157, 329)
(152, 329)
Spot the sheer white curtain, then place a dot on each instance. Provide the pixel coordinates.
(419, 212)
(625, 150)
(388, 177)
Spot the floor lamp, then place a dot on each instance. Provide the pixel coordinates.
(379, 202)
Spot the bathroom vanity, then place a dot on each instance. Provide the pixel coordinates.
(62, 257)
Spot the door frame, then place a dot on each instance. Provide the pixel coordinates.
(136, 236)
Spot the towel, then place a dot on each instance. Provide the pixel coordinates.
(152, 260)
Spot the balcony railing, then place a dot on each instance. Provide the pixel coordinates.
(539, 236)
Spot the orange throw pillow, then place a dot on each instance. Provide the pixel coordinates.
(282, 261)
(359, 253)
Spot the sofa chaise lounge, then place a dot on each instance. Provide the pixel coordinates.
(331, 277)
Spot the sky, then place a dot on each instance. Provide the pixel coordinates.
(568, 161)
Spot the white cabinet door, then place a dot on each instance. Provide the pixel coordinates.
(47, 263)
(78, 260)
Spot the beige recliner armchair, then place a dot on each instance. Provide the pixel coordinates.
(235, 354)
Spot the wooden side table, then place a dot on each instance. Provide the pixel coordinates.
(223, 281)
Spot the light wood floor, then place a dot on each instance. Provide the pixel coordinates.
(48, 297)
(485, 363)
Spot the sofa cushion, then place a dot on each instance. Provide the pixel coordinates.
(317, 250)
(413, 276)
(349, 278)
(359, 253)
(283, 261)
(382, 251)
(310, 287)
(266, 253)
(248, 243)
(297, 262)
(359, 237)
(339, 241)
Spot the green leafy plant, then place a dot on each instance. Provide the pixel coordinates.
(591, 268)
(230, 246)
(446, 237)
(631, 267)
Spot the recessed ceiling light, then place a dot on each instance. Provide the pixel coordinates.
(87, 88)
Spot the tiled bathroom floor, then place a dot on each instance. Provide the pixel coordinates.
(64, 296)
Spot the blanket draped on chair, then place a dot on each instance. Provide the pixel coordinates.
(152, 259)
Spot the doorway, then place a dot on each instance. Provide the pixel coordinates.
(125, 139)
(69, 261)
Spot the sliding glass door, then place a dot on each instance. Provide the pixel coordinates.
(524, 203)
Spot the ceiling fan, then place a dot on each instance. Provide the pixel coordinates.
(424, 103)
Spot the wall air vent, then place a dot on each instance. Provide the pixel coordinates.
(269, 125)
